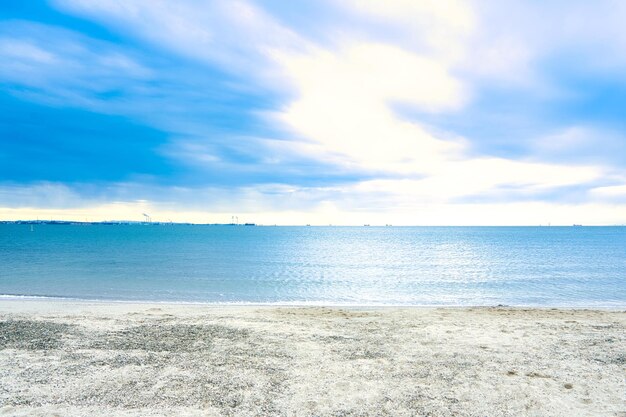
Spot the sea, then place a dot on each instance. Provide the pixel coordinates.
(331, 266)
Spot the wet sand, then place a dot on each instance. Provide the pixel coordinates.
(79, 358)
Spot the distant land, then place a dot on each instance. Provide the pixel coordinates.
(170, 223)
(117, 222)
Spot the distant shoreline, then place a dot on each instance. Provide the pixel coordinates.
(157, 223)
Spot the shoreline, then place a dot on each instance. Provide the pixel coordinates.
(125, 359)
(300, 304)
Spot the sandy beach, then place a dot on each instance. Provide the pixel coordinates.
(113, 359)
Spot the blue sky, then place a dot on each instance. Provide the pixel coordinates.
(351, 112)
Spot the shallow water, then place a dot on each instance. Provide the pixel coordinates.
(541, 266)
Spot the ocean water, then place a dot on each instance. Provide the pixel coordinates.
(537, 266)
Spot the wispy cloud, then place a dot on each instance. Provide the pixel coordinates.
(56, 65)
(234, 35)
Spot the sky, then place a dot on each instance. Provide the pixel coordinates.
(351, 112)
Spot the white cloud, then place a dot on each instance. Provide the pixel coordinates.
(12, 197)
(343, 106)
(17, 49)
(343, 111)
(336, 212)
(609, 191)
(475, 177)
(581, 142)
(515, 41)
(441, 26)
(569, 138)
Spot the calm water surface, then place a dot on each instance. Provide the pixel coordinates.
(543, 266)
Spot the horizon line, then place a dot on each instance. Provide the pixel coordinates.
(171, 223)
